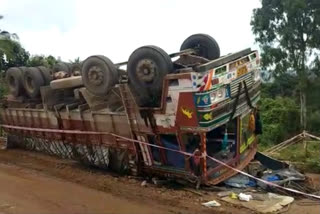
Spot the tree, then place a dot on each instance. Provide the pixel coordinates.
(288, 32)
(38, 60)
(19, 57)
(283, 85)
(7, 41)
(75, 61)
(11, 52)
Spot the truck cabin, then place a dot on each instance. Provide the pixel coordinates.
(212, 111)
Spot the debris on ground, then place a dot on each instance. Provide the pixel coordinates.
(212, 203)
(269, 162)
(240, 181)
(269, 202)
(286, 177)
(233, 195)
(258, 195)
(144, 183)
(281, 177)
(244, 197)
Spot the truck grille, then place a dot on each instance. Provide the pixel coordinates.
(235, 84)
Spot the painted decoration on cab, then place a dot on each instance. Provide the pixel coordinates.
(228, 91)
(211, 97)
(207, 82)
(187, 112)
(203, 100)
(208, 116)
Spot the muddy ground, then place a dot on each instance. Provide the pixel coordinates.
(36, 183)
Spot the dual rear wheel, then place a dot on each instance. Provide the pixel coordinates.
(23, 81)
(26, 81)
(147, 66)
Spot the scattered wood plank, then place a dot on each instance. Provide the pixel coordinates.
(284, 143)
(312, 136)
(297, 140)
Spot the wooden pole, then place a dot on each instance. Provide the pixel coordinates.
(284, 143)
(312, 136)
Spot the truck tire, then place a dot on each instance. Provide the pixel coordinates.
(99, 74)
(147, 67)
(12, 141)
(14, 78)
(119, 161)
(76, 69)
(70, 82)
(62, 66)
(23, 69)
(46, 74)
(32, 81)
(206, 46)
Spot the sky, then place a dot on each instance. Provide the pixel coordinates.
(81, 28)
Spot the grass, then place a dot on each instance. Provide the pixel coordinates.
(306, 159)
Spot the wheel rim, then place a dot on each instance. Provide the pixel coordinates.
(95, 76)
(146, 70)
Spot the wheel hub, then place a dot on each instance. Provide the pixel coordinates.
(95, 75)
(146, 70)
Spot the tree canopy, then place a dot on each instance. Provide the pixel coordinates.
(288, 32)
(38, 60)
(11, 52)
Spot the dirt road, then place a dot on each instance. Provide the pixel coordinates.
(36, 183)
(25, 191)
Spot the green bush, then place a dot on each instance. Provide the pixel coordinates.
(306, 159)
(280, 119)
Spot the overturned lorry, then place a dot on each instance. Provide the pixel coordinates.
(146, 118)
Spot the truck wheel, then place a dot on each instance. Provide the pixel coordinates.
(12, 141)
(70, 82)
(76, 69)
(23, 69)
(147, 67)
(14, 78)
(99, 74)
(205, 45)
(45, 74)
(32, 81)
(62, 66)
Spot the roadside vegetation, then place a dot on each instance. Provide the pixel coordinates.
(305, 156)
(288, 33)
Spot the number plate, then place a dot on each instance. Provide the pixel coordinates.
(241, 71)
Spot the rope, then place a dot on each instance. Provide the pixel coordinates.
(161, 147)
